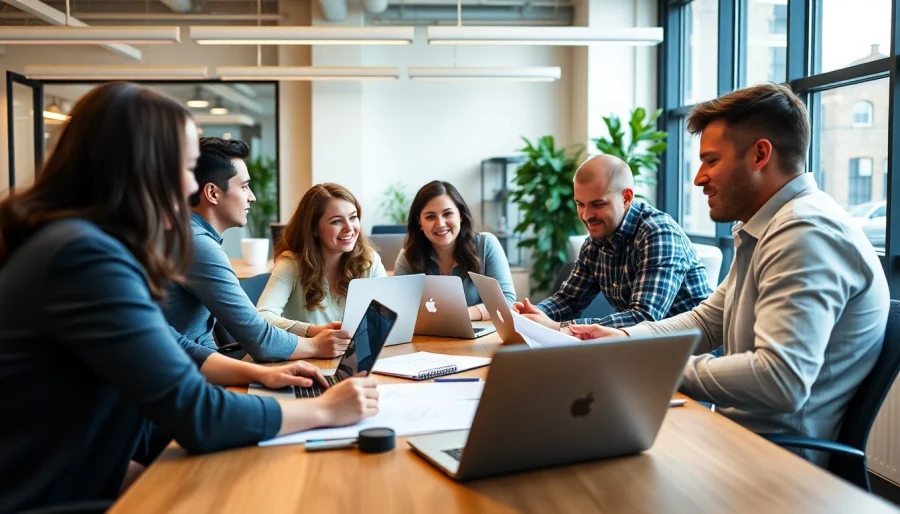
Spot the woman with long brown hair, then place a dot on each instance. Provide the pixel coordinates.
(84, 257)
(320, 251)
(441, 240)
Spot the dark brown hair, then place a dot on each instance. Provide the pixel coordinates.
(418, 249)
(215, 164)
(765, 111)
(118, 164)
(299, 242)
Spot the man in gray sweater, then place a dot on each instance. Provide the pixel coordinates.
(212, 293)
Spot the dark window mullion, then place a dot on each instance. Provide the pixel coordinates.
(892, 230)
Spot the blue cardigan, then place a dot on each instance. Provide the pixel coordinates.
(87, 360)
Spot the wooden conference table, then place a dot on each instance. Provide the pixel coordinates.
(701, 462)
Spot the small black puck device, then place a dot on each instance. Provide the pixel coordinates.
(376, 440)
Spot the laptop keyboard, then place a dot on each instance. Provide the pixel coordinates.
(479, 330)
(456, 453)
(315, 390)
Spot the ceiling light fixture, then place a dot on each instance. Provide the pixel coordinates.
(42, 72)
(244, 35)
(528, 74)
(219, 109)
(69, 35)
(50, 115)
(198, 102)
(307, 73)
(550, 36)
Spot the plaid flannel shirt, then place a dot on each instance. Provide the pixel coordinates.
(647, 270)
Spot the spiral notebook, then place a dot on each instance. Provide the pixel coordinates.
(425, 365)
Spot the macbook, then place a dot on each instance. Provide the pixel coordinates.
(400, 294)
(443, 311)
(366, 344)
(495, 303)
(560, 405)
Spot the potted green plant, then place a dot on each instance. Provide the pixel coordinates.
(640, 149)
(395, 203)
(263, 177)
(549, 216)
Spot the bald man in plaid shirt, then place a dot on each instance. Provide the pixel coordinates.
(637, 256)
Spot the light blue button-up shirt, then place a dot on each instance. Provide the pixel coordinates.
(801, 316)
(213, 293)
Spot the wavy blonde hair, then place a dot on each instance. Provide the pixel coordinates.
(299, 242)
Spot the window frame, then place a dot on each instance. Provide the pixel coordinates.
(804, 17)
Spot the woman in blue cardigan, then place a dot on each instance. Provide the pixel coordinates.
(88, 357)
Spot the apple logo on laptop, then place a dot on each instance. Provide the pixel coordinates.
(429, 305)
(582, 406)
(500, 316)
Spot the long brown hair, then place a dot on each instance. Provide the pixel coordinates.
(118, 164)
(299, 242)
(418, 249)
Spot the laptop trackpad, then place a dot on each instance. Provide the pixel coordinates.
(329, 372)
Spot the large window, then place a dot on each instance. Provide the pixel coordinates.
(849, 32)
(848, 140)
(766, 40)
(700, 42)
(835, 54)
(228, 111)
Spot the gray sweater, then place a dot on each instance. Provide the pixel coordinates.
(88, 359)
(493, 264)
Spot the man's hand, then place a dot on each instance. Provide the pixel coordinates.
(327, 344)
(588, 332)
(526, 307)
(315, 330)
(528, 310)
(349, 401)
(297, 373)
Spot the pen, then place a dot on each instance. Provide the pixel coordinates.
(329, 444)
(460, 379)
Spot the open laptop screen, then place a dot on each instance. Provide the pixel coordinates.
(367, 342)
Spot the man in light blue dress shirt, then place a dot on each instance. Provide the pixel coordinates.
(802, 313)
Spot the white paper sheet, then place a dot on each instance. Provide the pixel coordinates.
(409, 409)
(539, 336)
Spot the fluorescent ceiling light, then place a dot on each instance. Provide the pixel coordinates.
(552, 36)
(69, 35)
(41, 72)
(534, 74)
(307, 73)
(227, 119)
(244, 35)
(218, 111)
(55, 116)
(198, 104)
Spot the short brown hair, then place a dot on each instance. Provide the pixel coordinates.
(769, 111)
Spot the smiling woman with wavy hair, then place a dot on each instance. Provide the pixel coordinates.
(320, 251)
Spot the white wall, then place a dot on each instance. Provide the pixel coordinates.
(368, 135)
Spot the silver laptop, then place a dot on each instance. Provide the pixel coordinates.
(399, 294)
(560, 405)
(389, 246)
(495, 303)
(443, 311)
